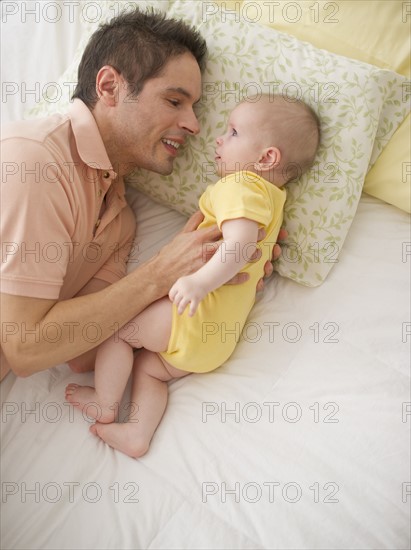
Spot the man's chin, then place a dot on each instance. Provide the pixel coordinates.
(165, 169)
(163, 172)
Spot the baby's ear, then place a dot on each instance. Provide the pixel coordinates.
(270, 158)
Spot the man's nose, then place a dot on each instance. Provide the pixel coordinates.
(191, 124)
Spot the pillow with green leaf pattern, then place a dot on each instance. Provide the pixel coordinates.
(359, 105)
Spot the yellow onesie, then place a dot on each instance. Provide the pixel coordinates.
(203, 342)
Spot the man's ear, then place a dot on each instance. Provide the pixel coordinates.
(108, 83)
(270, 158)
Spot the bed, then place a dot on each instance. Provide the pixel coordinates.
(301, 440)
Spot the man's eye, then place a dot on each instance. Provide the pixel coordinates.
(174, 102)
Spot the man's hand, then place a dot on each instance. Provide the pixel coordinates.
(190, 249)
(186, 253)
(268, 267)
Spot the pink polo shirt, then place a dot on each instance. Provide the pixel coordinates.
(56, 232)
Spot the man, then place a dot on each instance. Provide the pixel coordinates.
(66, 228)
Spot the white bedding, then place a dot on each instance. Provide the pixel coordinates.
(315, 452)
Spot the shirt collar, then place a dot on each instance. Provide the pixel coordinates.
(90, 145)
(89, 142)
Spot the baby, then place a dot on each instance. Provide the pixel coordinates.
(269, 141)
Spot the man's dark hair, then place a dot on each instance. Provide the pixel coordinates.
(138, 45)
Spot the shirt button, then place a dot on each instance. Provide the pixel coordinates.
(106, 175)
(100, 192)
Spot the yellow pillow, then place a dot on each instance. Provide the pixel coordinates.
(373, 32)
(390, 177)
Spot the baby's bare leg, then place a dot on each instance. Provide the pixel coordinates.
(114, 362)
(148, 402)
(150, 329)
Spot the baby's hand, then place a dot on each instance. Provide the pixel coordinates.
(186, 291)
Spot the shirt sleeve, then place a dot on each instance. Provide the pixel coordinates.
(36, 221)
(241, 195)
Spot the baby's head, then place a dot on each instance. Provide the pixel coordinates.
(272, 136)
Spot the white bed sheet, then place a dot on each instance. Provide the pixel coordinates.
(353, 433)
(259, 477)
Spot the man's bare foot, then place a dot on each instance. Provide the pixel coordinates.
(123, 437)
(85, 398)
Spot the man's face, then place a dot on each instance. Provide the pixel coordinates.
(147, 130)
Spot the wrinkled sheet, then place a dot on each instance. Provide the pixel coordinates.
(300, 441)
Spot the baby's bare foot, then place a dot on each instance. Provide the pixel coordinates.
(86, 399)
(125, 437)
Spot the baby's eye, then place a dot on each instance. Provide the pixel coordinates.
(233, 132)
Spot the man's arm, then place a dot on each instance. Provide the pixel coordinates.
(39, 333)
(86, 361)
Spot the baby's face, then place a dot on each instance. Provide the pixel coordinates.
(241, 145)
